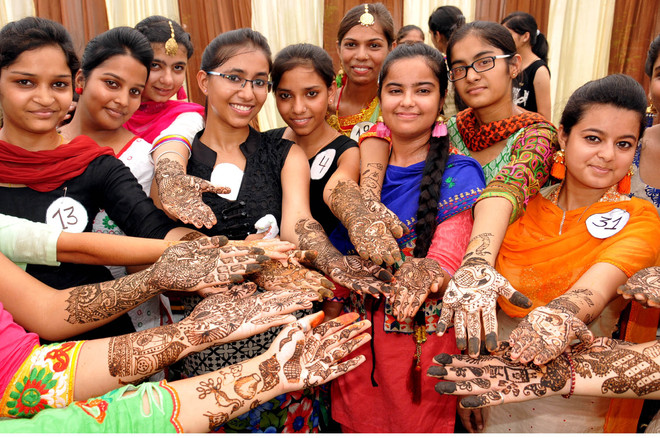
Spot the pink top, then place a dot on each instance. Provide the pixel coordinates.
(15, 346)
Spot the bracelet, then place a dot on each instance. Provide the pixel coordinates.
(570, 362)
(170, 152)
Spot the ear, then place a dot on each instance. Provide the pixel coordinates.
(332, 92)
(515, 66)
(525, 37)
(338, 51)
(562, 137)
(202, 81)
(79, 80)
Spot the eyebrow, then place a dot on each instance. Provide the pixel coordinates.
(477, 56)
(369, 40)
(162, 61)
(34, 74)
(241, 71)
(313, 87)
(601, 132)
(416, 84)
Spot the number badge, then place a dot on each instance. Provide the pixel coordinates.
(359, 129)
(67, 214)
(322, 163)
(604, 225)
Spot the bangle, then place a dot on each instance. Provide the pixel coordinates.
(570, 362)
(170, 152)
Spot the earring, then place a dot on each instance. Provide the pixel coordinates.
(558, 169)
(381, 128)
(440, 128)
(651, 113)
(624, 185)
(340, 79)
(181, 94)
(78, 90)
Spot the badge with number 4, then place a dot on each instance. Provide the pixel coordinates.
(67, 214)
(604, 225)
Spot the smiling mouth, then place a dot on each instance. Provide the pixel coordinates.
(242, 108)
(361, 69)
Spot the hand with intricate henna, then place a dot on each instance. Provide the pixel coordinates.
(372, 231)
(606, 368)
(415, 279)
(181, 194)
(276, 249)
(545, 333)
(643, 287)
(472, 295)
(362, 276)
(275, 276)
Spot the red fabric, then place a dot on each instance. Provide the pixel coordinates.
(478, 137)
(44, 171)
(154, 117)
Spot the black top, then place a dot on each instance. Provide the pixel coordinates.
(523, 90)
(261, 188)
(106, 184)
(322, 166)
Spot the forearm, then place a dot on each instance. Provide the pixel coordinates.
(374, 155)
(106, 249)
(585, 304)
(491, 219)
(345, 202)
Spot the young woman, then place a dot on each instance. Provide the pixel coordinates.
(576, 243)
(364, 38)
(45, 180)
(409, 34)
(532, 90)
(645, 183)
(305, 353)
(433, 191)
(269, 181)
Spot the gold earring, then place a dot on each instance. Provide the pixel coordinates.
(171, 46)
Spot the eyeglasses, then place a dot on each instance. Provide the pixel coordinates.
(480, 65)
(239, 82)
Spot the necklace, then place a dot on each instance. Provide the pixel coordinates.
(345, 124)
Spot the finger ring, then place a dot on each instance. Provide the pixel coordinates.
(500, 394)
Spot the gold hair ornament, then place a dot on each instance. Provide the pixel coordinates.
(367, 19)
(171, 46)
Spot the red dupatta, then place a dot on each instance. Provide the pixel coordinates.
(154, 117)
(44, 171)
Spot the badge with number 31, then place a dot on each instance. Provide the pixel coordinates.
(604, 225)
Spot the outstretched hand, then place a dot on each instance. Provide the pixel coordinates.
(361, 276)
(290, 275)
(181, 194)
(643, 287)
(204, 265)
(415, 279)
(471, 296)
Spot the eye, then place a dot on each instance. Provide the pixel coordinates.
(60, 84)
(24, 82)
(259, 83)
(233, 78)
(394, 91)
(112, 84)
(375, 45)
(592, 139)
(179, 68)
(458, 71)
(624, 144)
(312, 93)
(423, 91)
(155, 66)
(349, 44)
(483, 62)
(284, 96)
(136, 91)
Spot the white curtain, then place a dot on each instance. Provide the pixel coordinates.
(131, 12)
(285, 22)
(579, 34)
(12, 10)
(417, 12)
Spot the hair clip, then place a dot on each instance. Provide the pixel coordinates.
(367, 19)
(171, 47)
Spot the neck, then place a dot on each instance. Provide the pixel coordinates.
(315, 140)
(362, 94)
(527, 55)
(409, 150)
(574, 196)
(221, 138)
(30, 141)
(115, 138)
(498, 111)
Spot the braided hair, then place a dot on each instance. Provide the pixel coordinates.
(438, 148)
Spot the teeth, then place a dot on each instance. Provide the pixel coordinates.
(242, 107)
(361, 70)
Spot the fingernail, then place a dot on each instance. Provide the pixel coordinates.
(443, 358)
(436, 371)
(474, 346)
(347, 318)
(252, 267)
(491, 341)
(262, 258)
(471, 401)
(384, 276)
(258, 251)
(440, 329)
(327, 283)
(461, 343)
(236, 278)
(445, 387)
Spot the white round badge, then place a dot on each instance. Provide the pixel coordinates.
(67, 214)
(227, 175)
(359, 129)
(322, 163)
(604, 225)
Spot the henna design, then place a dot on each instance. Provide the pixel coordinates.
(181, 194)
(269, 370)
(471, 296)
(142, 354)
(193, 235)
(216, 420)
(545, 333)
(214, 388)
(414, 280)
(370, 185)
(371, 234)
(478, 247)
(275, 276)
(246, 387)
(643, 287)
(292, 368)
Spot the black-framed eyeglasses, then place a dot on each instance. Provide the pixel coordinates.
(480, 65)
(239, 82)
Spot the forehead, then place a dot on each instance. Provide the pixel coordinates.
(410, 70)
(300, 76)
(248, 60)
(610, 119)
(123, 65)
(34, 60)
(366, 33)
(472, 47)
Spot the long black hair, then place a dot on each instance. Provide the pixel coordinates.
(303, 54)
(522, 22)
(436, 159)
(117, 41)
(446, 20)
(652, 56)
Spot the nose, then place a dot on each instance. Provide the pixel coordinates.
(246, 91)
(407, 99)
(166, 77)
(298, 106)
(606, 151)
(122, 97)
(44, 95)
(472, 75)
(362, 53)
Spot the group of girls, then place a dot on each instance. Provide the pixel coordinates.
(454, 206)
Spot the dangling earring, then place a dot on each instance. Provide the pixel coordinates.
(340, 79)
(439, 129)
(558, 169)
(624, 185)
(79, 90)
(181, 94)
(651, 114)
(381, 128)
